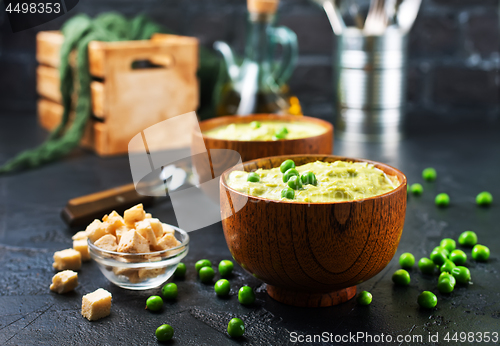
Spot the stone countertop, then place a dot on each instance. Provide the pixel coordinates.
(31, 230)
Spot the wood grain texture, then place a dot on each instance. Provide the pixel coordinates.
(312, 249)
(250, 150)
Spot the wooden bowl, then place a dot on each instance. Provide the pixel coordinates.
(250, 150)
(312, 254)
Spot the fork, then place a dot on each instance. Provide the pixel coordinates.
(376, 21)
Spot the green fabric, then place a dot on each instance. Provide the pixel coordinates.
(78, 32)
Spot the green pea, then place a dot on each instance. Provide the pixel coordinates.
(406, 260)
(225, 268)
(169, 291)
(445, 286)
(448, 244)
(286, 165)
(295, 183)
(309, 179)
(426, 266)
(164, 332)
(438, 256)
(255, 124)
(429, 174)
(447, 266)
(447, 276)
(364, 298)
(246, 295)
(290, 173)
(462, 274)
(235, 328)
(180, 271)
(222, 287)
(427, 300)
(206, 274)
(202, 263)
(442, 249)
(480, 253)
(484, 199)
(281, 133)
(442, 200)
(154, 303)
(253, 177)
(288, 193)
(467, 238)
(417, 189)
(458, 257)
(401, 277)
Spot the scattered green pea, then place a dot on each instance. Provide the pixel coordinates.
(253, 177)
(169, 291)
(461, 274)
(445, 286)
(206, 274)
(438, 256)
(288, 193)
(364, 298)
(447, 276)
(427, 300)
(164, 332)
(447, 266)
(246, 296)
(236, 328)
(202, 263)
(467, 238)
(309, 179)
(429, 174)
(406, 260)
(222, 287)
(426, 266)
(295, 183)
(225, 268)
(442, 200)
(416, 189)
(401, 277)
(290, 173)
(442, 249)
(255, 124)
(286, 165)
(458, 257)
(484, 199)
(180, 271)
(480, 253)
(448, 244)
(154, 303)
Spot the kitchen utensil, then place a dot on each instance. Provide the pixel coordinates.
(312, 254)
(407, 13)
(376, 21)
(333, 15)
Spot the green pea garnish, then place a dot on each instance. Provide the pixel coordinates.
(467, 238)
(169, 291)
(426, 266)
(236, 328)
(364, 298)
(286, 165)
(255, 124)
(429, 174)
(206, 274)
(447, 266)
(416, 189)
(448, 244)
(225, 268)
(442, 200)
(427, 300)
(295, 183)
(458, 257)
(309, 179)
(164, 332)
(253, 177)
(445, 286)
(222, 287)
(281, 133)
(246, 295)
(438, 256)
(154, 303)
(447, 276)
(484, 199)
(480, 253)
(202, 263)
(290, 173)
(288, 193)
(461, 274)
(406, 260)
(180, 271)
(401, 277)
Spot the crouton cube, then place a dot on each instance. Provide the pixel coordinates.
(144, 273)
(112, 222)
(134, 278)
(82, 247)
(148, 216)
(166, 242)
(107, 242)
(133, 242)
(64, 281)
(156, 226)
(167, 229)
(80, 235)
(95, 230)
(134, 214)
(96, 305)
(144, 228)
(67, 259)
(120, 231)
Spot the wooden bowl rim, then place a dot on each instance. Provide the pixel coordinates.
(337, 158)
(251, 117)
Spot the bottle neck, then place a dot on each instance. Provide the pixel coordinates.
(258, 44)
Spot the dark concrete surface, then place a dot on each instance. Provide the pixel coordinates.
(31, 230)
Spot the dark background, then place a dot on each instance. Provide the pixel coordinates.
(453, 70)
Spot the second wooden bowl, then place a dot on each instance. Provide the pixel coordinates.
(312, 254)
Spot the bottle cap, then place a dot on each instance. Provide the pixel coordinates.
(262, 6)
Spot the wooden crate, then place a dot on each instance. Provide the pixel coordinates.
(125, 100)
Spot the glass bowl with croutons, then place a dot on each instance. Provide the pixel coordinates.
(136, 251)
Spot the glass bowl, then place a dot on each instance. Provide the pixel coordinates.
(140, 271)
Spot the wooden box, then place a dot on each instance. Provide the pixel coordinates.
(125, 99)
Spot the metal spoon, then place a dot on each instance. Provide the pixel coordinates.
(333, 15)
(407, 13)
